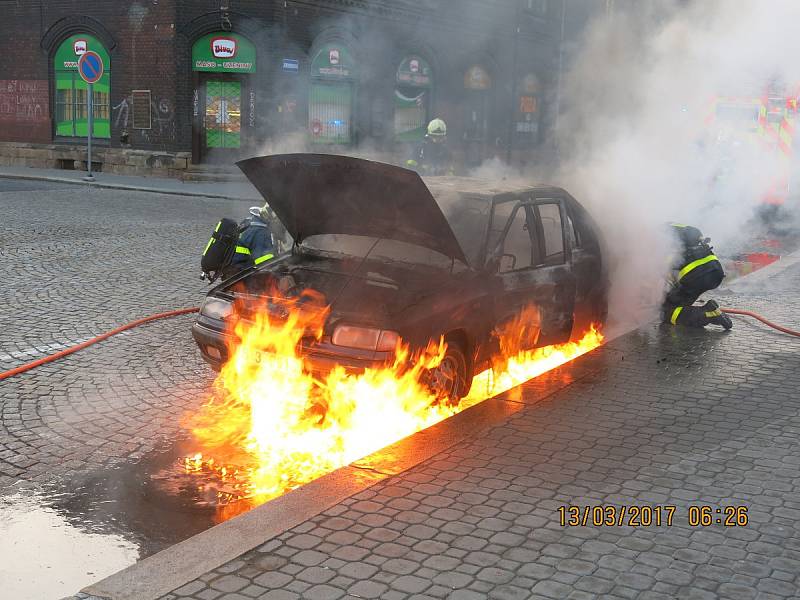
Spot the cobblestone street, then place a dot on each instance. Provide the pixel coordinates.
(669, 417)
(77, 262)
(660, 416)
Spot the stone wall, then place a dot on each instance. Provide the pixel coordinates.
(120, 161)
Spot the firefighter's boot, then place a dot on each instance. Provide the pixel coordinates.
(715, 316)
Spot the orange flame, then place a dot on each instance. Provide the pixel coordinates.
(272, 426)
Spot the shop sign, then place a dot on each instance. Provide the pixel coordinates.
(527, 104)
(333, 61)
(530, 84)
(414, 71)
(71, 49)
(477, 78)
(224, 52)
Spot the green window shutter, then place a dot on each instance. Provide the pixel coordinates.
(330, 113)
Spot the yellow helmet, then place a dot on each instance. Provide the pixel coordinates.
(437, 127)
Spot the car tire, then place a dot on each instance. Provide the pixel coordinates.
(448, 381)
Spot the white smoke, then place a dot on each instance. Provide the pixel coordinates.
(634, 140)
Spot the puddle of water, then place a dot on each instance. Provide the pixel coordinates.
(44, 556)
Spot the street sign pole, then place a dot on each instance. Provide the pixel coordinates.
(90, 68)
(90, 107)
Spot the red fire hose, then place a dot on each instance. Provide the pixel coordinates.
(747, 313)
(94, 340)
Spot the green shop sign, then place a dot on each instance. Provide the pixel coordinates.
(70, 108)
(71, 49)
(224, 52)
(333, 60)
(414, 71)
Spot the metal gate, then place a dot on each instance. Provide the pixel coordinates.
(223, 119)
(330, 113)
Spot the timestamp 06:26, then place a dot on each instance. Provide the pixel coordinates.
(602, 515)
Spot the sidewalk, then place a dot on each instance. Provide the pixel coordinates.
(161, 185)
(658, 417)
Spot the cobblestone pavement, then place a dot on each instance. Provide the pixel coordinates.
(670, 417)
(76, 262)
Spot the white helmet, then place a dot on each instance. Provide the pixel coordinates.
(262, 212)
(437, 128)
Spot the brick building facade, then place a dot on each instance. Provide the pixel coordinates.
(210, 81)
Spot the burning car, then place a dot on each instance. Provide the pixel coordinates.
(389, 258)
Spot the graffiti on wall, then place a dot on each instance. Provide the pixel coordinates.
(24, 101)
(162, 114)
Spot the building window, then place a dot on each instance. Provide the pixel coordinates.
(412, 99)
(537, 7)
(71, 92)
(332, 95)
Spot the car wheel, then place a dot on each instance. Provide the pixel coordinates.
(448, 381)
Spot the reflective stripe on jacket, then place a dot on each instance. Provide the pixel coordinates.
(694, 264)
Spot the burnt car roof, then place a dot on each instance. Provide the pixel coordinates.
(487, 188)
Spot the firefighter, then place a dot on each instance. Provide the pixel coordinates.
(432, 156)
(695, 271)
(256, 244)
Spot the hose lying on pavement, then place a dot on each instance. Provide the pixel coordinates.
(94, 340)
(186, 311)
(747, 313)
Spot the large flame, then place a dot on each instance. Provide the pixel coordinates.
(272, 426)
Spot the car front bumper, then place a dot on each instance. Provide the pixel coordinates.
(319, 357)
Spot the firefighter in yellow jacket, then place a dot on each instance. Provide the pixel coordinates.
(695, 271)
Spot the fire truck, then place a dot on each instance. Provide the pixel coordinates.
(757, 132)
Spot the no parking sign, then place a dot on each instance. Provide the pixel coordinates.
(90, 68)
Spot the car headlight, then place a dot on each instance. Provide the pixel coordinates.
(365, 338)
(216, 308)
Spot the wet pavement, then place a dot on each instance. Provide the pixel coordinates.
(75, 434)
(88, 444)
(668, 418)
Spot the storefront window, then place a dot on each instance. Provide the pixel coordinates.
(330, 105)
(224, 60)
(412, 99)
(71, 92)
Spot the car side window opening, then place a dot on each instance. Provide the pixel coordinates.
(573, 231)
(553, 232)
(518, 251)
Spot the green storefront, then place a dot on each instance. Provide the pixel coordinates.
(71, 92)
(412, 99)
(224, 98)
(332, 95)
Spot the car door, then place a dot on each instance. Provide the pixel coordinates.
(555, 266)
(587, 266)
(530, 304)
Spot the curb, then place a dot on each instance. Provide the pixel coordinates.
(132, 188)
(173, 567)
(775, 268)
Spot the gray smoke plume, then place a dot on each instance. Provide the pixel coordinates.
(634, 137)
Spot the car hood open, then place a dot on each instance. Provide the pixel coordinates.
(322, 193)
